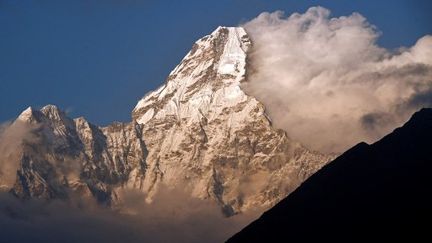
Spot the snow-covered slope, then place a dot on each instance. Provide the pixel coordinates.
(204, 132)
(199, 131)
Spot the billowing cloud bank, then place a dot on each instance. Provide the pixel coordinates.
(328, 84)
(173, 217)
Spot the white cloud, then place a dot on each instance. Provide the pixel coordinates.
(328, 84)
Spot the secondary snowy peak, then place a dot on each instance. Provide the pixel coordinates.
(48, 112)
(30, 115)
(209, 75)
(27, 114)
(52, 112)
(67, 156)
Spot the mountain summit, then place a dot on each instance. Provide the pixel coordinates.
(199, 131)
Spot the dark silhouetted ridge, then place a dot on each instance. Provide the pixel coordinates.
(379, 191)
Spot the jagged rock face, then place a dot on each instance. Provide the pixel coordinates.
(199, 131)
(46, 157)
(204, 132)
(114, 152)
(66, 156)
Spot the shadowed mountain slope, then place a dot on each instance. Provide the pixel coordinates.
(378, 191)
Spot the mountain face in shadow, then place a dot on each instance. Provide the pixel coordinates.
(379, 191)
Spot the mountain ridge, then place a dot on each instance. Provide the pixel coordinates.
(199, 131)
(377, 191)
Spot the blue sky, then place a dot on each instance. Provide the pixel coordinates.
(98, 58)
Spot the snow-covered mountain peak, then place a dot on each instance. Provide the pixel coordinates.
(209, 75)
(203, 131)
(48, 112)
(199, 131)
(26, 115)
(31, 116)
(52, 112)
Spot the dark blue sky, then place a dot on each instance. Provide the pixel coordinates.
(97, 58)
